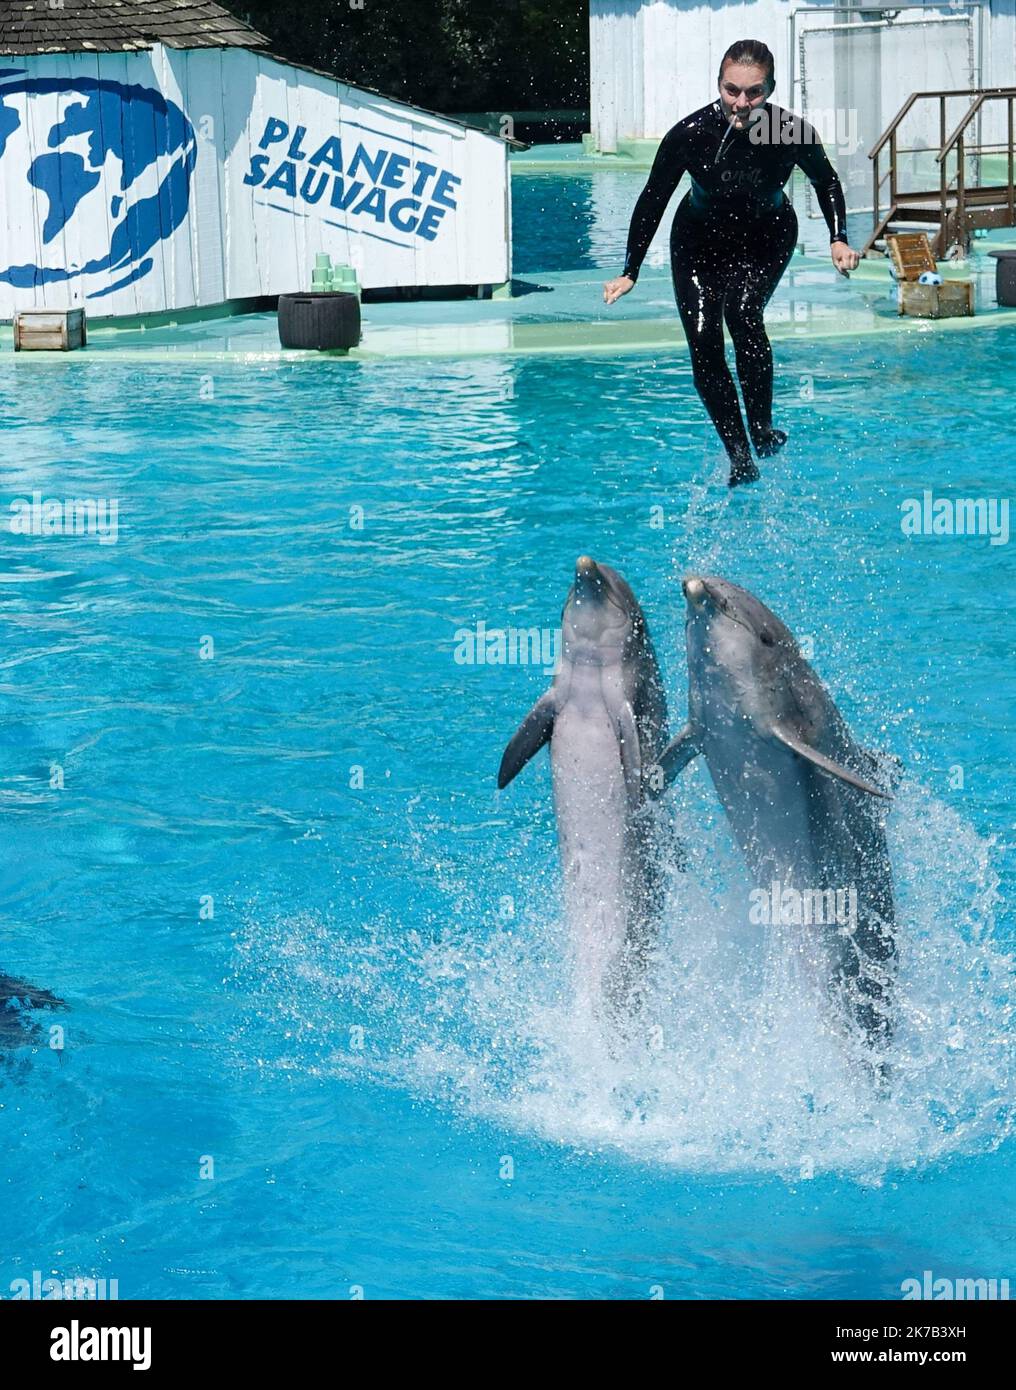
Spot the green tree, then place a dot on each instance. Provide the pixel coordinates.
(446, 55)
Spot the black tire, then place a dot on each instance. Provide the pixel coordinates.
(327, 322)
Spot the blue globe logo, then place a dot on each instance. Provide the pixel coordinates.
(133, 126)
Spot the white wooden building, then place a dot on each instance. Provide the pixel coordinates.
(850, 69)
(154, 156)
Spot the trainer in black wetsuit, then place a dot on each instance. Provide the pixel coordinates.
(733, 234)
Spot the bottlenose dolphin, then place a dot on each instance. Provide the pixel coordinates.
(804, 801)
(605, 717)
(16, 999)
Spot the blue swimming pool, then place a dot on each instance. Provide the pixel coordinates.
(318, 1037)
(581, 221)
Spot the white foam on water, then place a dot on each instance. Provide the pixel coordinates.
(735, 1064)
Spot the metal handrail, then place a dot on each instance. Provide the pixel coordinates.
(947, 144)
(957, 135)
(986, 94)
(957, 142)
(889, 130)
(918, 96)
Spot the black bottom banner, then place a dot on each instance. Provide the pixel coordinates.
(170, 1339)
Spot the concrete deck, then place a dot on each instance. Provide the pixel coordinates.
(634, 155)
(561, 311)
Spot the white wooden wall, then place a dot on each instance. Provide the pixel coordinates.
(220, 231)
(654, 61)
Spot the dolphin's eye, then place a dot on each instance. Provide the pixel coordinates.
(765, 637)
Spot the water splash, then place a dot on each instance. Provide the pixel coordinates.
(734, 1065)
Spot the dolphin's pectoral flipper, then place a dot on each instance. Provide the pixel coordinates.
(797, 745)
(630, 749)
(677, 755)
(886, 766)
(529, 738)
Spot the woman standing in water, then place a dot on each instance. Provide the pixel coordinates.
(734, 232)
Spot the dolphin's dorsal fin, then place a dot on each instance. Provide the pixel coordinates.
(529, 738)
(797, 745)
(678, 754)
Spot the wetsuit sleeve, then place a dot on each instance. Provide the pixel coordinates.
(665, 175)
(823, 178)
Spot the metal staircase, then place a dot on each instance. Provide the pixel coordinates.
(956, 207)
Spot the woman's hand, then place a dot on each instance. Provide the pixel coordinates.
(845, 258)
(614, 289)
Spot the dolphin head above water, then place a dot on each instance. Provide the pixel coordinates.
(743, 656)
(711, 599)
(746, 670)
(601, 616)
(608, 665)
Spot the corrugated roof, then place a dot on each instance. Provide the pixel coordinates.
(118, 26)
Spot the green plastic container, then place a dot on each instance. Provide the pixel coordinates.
(344, 280)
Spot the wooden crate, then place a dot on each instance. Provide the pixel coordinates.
(952, 299)
(49, 330)
(911, 257)
(911, 254)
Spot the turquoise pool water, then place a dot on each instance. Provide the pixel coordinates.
(278, 827)
(581, 221)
